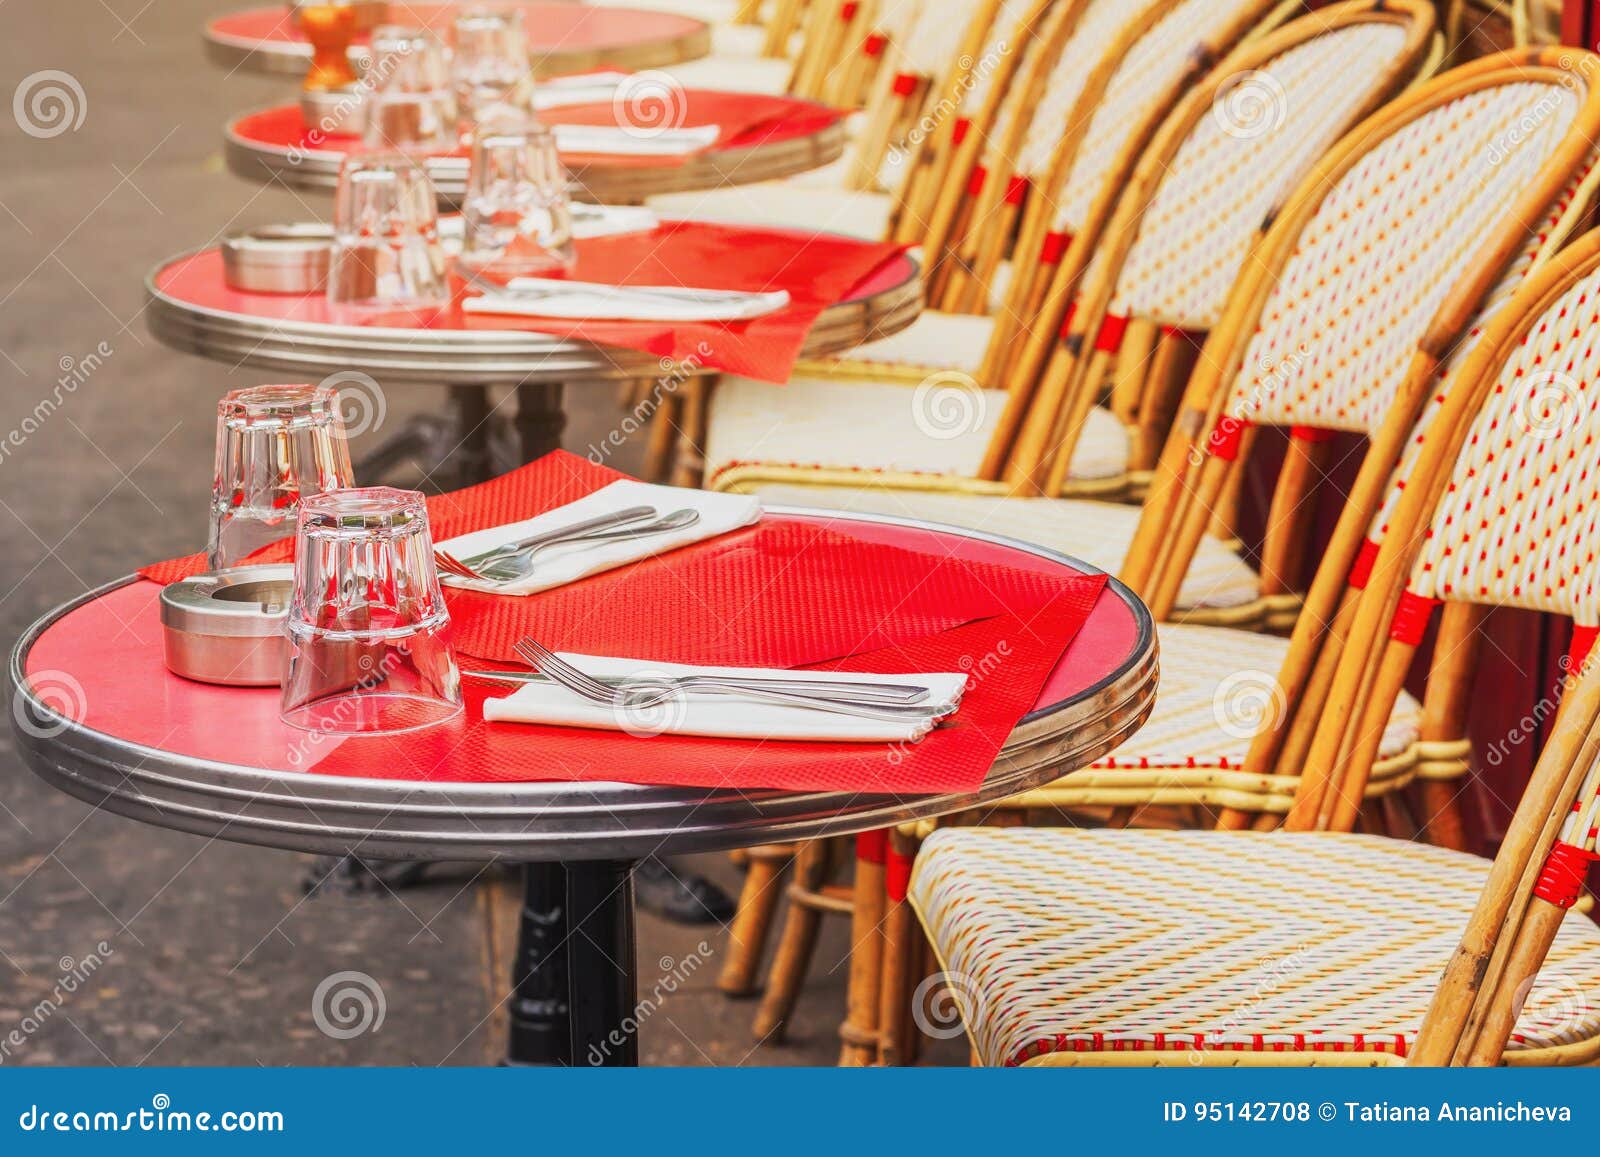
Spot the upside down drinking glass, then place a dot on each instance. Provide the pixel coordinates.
(517, 215)
(276, 445)
(386, 251)
(411, 105)
(368, 631)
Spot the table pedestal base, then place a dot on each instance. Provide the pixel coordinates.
(574, 998)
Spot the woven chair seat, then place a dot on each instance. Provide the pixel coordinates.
(1096, 532)
(735, 39)
(783, 205)
(893, 432)
(1134, 947)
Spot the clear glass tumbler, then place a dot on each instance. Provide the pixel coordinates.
(410, 105)
(386, 251)
(491, 52)
(276, 445)
(368, 633)
(517, 214)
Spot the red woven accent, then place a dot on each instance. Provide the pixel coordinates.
(897, 875)
(1310, 434)
(905, 83)
(979, 178)
(1016, 190)
(848, 10)
(1054, 247)
(874, 45)
(1361, 569)
(1225, 438)
(873, 847)
(1561, 881)
(963, 126)
(1411, 617)
(1582, 644)
(1112, 330)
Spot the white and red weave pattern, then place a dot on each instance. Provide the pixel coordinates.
(1385, 246)
(1227, 947)
(1266, 128)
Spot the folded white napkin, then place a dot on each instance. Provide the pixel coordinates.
(587, 88)
(593, 301)
(558, 565)
(724, 716)
(609, 140)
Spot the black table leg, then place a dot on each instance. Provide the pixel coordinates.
(473, 459)
(540, 418)
(575, 988)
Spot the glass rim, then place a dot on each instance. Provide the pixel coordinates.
(364, 510)
(289, 404)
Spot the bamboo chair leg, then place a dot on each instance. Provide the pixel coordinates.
(748, 12)
(1081, 398)
(1289, 522)
(752, 918)
(785, 15)
(1342, 805)
(1132, 368)
(1213, 481)
(1534, 939)
(690, 467)
(1445, 705)
(1174, 361)
(1225, 519)
(858, 1034)
(798, 941)
(663, 440)
(894, 1007)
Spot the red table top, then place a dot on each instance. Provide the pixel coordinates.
(106, 658)
(551, 27)
(283, 128)
(196, 280)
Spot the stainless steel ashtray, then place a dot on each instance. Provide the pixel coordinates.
(279, 258)
(227, 626)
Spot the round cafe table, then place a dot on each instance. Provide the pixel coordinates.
(191, 308)
(574, 975)
(565, 38)
(274, 145)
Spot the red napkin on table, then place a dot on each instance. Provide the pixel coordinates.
(1010, 657)
(780, 594)
(746, 119)
(817, 271)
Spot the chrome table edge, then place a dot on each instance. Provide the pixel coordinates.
(470, 357)
(387, 819)
(318, 169)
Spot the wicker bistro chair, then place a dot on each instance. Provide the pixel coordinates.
(1219, 686)
(1501, 511)
(928, 65)
(1197, 216)
(853, 422)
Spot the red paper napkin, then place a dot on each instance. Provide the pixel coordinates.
(1010, 656)
(784, 593)
(817, 271)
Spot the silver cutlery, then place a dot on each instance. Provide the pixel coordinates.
(888, 694)
(467, 567)
(644, 693)
(512, 565)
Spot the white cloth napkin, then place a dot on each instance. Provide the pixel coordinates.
(592, 301)
(558, 565)
(587, 221)
(587, 88)
(607, 140)
(723, 716)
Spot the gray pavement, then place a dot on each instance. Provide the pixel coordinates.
(211, 953)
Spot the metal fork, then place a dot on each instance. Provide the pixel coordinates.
(513, 562)
(644, 693)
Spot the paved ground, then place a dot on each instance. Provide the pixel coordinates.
(211, 953)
